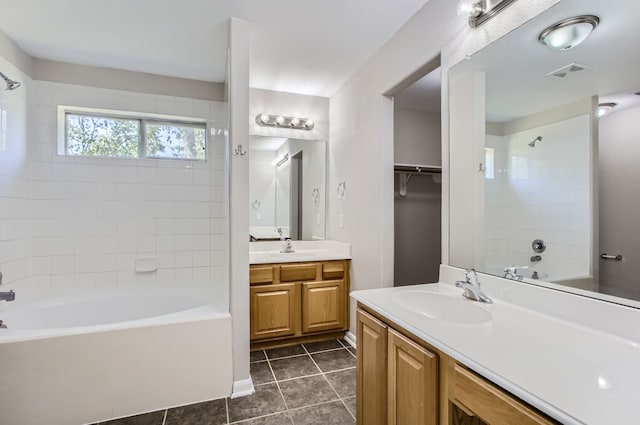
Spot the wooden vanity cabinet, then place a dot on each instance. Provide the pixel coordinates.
(297, 300)
(401, 380)
(397, 379)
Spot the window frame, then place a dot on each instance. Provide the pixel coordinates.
(141, 117)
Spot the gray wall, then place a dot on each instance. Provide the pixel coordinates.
(417, 137)
(417, 222)
(619, 202)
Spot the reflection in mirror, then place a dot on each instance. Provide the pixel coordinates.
(557, 174)
(286, 189)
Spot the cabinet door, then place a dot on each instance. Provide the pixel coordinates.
(371, 376)
(323, 306)
(413, 382)
(273, 310)
(491, 403)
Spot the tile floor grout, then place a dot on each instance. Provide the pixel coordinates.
(299, 355)
(329, 382)
(279, 390)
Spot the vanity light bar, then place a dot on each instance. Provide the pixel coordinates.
(480, 11)
(284, 122)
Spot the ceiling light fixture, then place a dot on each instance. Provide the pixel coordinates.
(480, 11)
(604, 109)
(294, 123)
(568, 33)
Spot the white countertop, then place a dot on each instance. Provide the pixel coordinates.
(269, 252)
(576, 373)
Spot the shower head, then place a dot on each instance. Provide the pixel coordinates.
(11, 84)
(533, 143)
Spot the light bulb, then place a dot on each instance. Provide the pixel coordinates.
(470, 8)
(309, 124)
(294, 122)
(604, 109)
(264, 118)
(280, 120)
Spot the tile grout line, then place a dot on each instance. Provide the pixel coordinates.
(329, 382)
(262, 416)
(306, 352)
(164, 417)
(275, 379)
(226, 406)
(341, 370)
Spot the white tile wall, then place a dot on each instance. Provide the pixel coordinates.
(14, 180)
(78, 223)
(541, 193)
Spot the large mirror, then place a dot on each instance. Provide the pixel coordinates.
(286, 189)
(559, 175)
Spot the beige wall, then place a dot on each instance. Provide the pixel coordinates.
(361, 134)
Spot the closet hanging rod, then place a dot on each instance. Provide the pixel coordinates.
(417, 169)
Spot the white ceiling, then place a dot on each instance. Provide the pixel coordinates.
(307, 47)
(517, 64)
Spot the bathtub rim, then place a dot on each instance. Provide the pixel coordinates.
(200, 313)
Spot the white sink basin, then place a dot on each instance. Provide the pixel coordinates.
(442, 307)
(283, 257)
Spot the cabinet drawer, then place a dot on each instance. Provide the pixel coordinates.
(491, 404)
(260, 275)
(298, 272)
(333, 270)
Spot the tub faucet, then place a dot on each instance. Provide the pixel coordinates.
(287, 248)
(511, 272)
(471, 287)
(7, 296)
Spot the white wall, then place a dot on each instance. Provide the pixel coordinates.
(238, 95)
(92, 217)
(361, 148)
(15, 183)
(541, 193)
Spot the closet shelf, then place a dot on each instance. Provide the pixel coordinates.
(406, 171)
(417, 169)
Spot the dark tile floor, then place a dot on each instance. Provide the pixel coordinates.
(306, 384)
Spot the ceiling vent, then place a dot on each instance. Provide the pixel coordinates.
(568, 71)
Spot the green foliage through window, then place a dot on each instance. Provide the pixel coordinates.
(99, 136)
(167, 140)
(120, 137)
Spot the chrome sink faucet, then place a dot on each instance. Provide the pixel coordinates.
(288, 247)
(471, 287)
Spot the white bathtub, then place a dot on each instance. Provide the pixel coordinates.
(86, 358)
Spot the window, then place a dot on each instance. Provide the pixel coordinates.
(489, 163)
(115, 134)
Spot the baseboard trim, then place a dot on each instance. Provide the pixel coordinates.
(242, 388)
(350, 338)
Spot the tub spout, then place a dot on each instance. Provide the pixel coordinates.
(7, 296)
